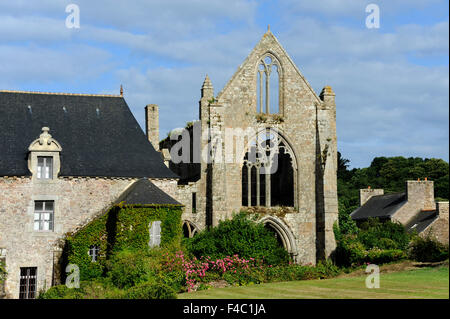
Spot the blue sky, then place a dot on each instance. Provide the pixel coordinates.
(391, 83)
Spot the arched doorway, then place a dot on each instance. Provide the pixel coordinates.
(282, 233)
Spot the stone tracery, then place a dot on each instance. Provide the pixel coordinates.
(268, 171)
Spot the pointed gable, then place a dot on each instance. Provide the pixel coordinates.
(247, 70)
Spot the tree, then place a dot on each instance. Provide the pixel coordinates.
(389, 173)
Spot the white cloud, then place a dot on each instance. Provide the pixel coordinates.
(31, 64)
(352, 8)
(161, 51)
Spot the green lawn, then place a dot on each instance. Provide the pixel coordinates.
(417, 283)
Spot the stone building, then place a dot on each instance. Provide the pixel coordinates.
(415, 208)
(270, 145)
(64, 160)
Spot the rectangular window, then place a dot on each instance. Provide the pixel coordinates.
(94, 251)
(155, 233)
(43, 215)
(27, 289)
(45, 167)
(194, 203)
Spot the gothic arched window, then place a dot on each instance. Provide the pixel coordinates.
(268, 85)
(269, 172)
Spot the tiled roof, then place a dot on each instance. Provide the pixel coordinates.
(381, 206)
(421, 221)
(144, 192)
(98, 134)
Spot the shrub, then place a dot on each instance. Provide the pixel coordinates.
(427, 250)
(175, 279)
(61, 292)
(239, 236)
(129, 268)
(151, 290)
(383, 235)
(346, 225)
(379, 256)
(350, 251)
(326, 269)
(94, 289)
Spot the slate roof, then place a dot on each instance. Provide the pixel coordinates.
(381, 206)
(144, 192)
(422, 220)
(98, 134)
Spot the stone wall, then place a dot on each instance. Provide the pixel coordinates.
(366, 193)
(439, 228)
(152, 124)
(77, 201)
(184, 195)
(301, 113)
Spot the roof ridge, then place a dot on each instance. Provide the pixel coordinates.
(60, 93)
(395, 193)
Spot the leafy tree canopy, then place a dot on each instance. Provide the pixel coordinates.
(390, 174)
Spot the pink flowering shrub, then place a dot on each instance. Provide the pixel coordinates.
(233, 269)
(240, 271)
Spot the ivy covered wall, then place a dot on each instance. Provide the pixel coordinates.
(122, 227)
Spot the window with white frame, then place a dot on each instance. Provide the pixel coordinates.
(45, 167)
(93, 252)
(43, 215)
(155, 233)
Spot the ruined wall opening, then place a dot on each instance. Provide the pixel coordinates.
(189, 229)
(269, 172)
(282, 233)
(282, 182)
(276, 234)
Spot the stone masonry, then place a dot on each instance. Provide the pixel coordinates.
(420, 197)
(414, 207)
(366, 193)
(439, 228)
(306, 122)
(77, 201)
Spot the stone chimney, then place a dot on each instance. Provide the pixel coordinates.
(421, 193)
(152, 124)
(442, 209)
(328, 97)
(366, 193)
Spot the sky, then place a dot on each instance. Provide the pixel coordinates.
(391, 82)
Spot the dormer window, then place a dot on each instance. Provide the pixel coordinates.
(44, 157)
(44, 167)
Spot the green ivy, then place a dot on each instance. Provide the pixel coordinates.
(2, 272)
(122, 227)
(239, 235)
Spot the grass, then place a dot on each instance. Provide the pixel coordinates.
(418, 283)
